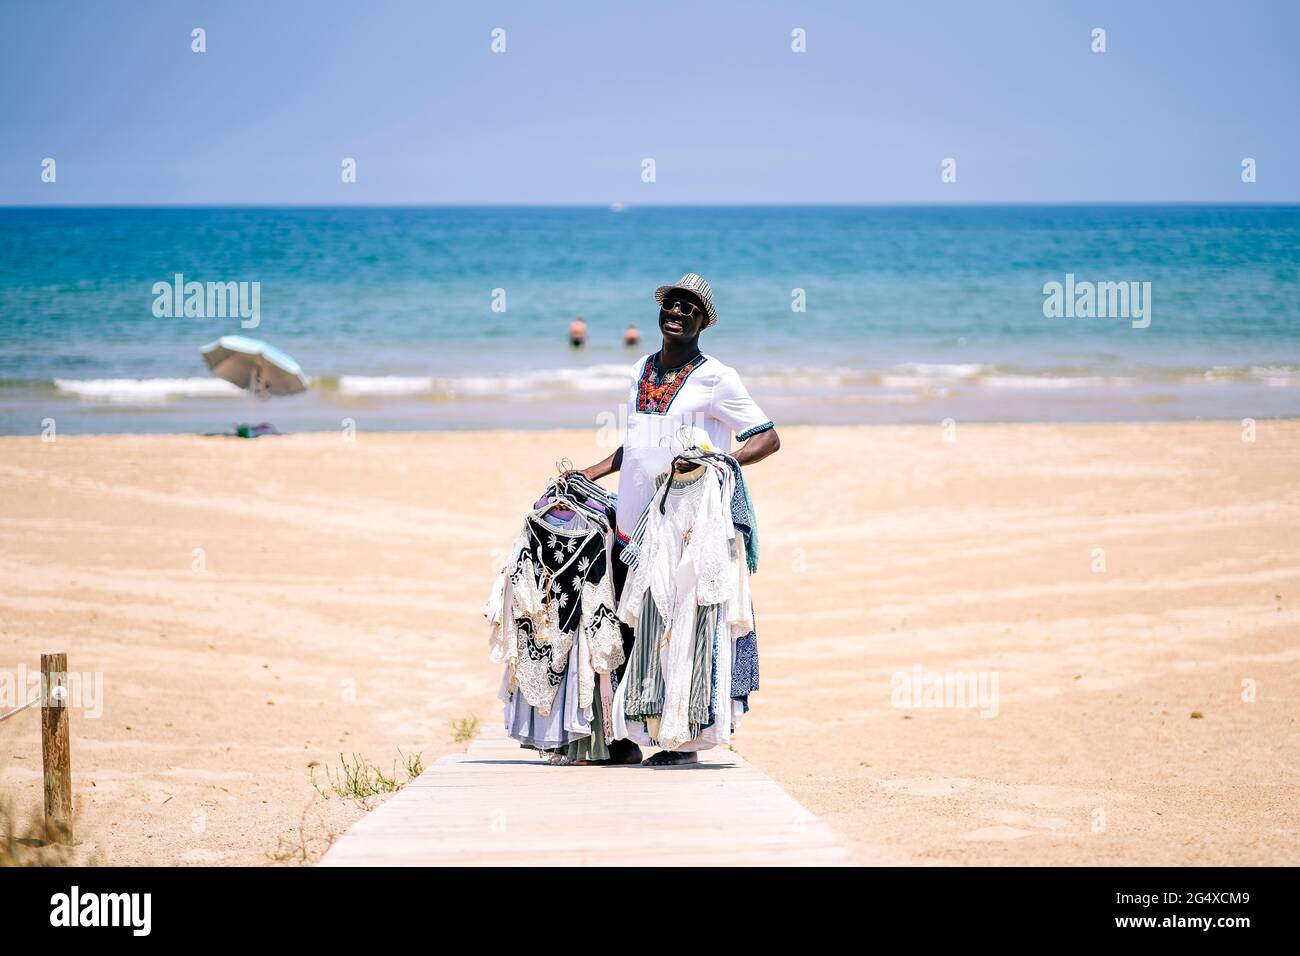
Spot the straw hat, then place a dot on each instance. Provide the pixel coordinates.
(696, 286)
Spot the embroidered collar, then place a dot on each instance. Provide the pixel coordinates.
(658, 387)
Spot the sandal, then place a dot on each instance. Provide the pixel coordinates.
(671, 758)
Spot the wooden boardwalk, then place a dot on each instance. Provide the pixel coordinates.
(497, 805)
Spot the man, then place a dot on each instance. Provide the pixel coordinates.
(677, 386)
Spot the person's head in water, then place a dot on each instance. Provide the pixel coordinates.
(632, 336)
(577, 332)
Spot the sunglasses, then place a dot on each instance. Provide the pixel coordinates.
(683, 307)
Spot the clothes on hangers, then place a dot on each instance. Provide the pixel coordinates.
(744, 679)
(588, 494)
(742, 514)
(693, 661)
(687, 596)
(552, 621)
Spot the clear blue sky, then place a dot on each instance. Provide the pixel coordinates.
(709, 89)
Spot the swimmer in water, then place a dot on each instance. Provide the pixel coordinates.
(578, 333)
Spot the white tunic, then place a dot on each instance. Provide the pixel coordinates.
(711, 396)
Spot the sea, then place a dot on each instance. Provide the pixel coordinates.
(429, 318)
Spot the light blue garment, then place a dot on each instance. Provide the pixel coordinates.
(561, 727)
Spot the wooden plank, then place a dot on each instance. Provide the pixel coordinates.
(499, 805)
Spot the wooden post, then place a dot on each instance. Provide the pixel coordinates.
(56, 756)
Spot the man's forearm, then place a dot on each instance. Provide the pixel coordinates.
(607, 467)
(758, 447)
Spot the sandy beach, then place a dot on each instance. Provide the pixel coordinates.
(257, 606)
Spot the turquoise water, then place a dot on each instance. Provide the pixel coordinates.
(912, 313)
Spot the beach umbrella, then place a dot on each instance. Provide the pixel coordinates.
(252, 364)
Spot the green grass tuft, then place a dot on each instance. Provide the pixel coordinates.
(361, 781)
(464, 729)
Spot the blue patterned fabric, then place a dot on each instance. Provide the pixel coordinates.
(744, 668)
(743, 517)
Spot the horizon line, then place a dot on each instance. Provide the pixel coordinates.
(626, 207)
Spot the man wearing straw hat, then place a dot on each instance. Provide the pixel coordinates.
(674, 387)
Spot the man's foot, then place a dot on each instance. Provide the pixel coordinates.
(623, 752)
(671, 758)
